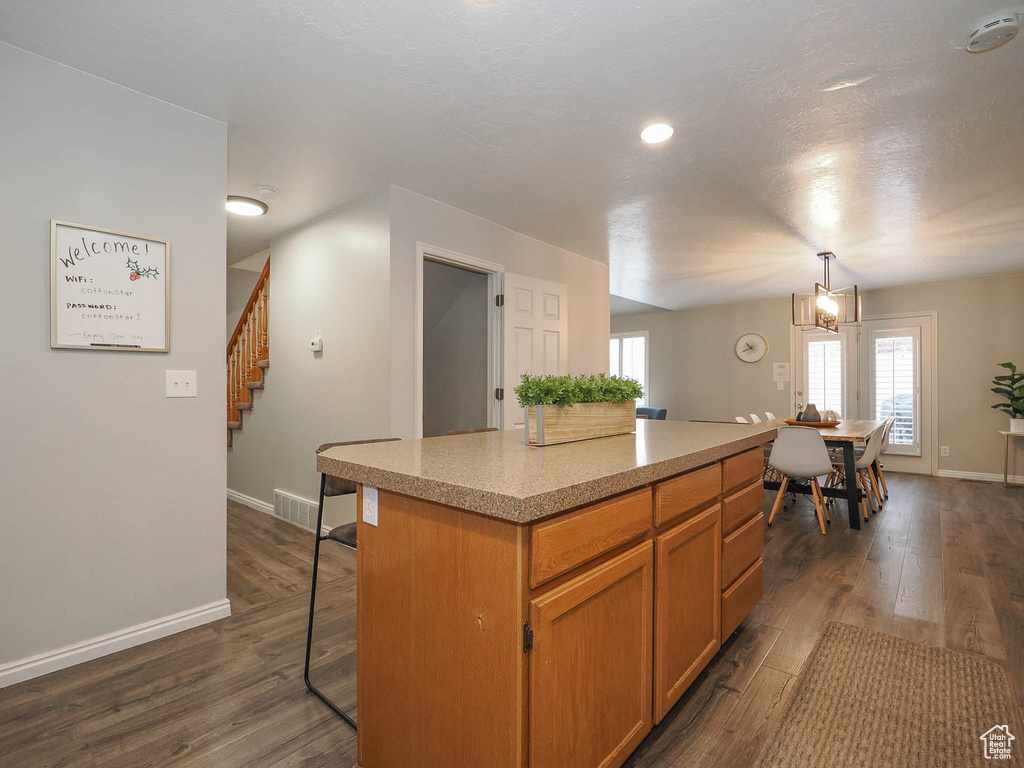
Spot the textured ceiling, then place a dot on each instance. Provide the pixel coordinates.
(527, 112)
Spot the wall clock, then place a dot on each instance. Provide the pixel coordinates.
(751, 347)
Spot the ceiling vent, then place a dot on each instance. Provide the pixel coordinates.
(993, 32)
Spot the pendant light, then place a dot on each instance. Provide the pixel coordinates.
(827, 308)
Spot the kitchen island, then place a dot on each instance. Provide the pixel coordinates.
(544, 607)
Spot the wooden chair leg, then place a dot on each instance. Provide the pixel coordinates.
(778, 499)
(881, 476)
(877, 486)
(873, 494)
(817, 504)
(863, 498)
(821, 496)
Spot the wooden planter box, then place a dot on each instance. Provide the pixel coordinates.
(549, 424)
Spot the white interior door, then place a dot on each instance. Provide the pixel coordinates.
(536, 337)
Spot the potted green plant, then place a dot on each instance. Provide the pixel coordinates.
(1011, 387)
(560, 409)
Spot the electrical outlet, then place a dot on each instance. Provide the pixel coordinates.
(944, 450)
(369, 505)
(181, 383)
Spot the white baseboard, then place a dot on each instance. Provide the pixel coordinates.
(262, 506)
(87, 650)
(985, 477)
(250, 502)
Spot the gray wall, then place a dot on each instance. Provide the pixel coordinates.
(112, 495)
(329, 275)
(351, 274)
(455, 394)
(415, 218)
(696, 375)
(693, 369)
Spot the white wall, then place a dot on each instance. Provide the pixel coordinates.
(329, 275)
(696, 375)
(112, 496)
(416, 218)
(454, 349)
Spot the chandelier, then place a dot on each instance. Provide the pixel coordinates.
(827, 308)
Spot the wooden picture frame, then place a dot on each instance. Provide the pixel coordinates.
(110, 291)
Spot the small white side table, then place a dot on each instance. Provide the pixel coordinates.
(1006, 455)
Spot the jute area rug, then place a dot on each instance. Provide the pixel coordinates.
(870, 700)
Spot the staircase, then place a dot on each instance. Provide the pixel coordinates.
(248, 353)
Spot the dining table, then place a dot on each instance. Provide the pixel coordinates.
(846, 435)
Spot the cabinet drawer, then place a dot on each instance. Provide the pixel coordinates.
(742, 468)
(559, 545)
(741, 548)
(739, 507)
(740, 599)
(685, 493)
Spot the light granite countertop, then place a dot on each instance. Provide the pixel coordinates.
(496, 474)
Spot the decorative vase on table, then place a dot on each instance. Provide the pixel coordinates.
(811, 413)
(1017, 426)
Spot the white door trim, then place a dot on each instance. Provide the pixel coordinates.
(495, 286)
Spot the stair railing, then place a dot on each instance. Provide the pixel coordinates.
(249, 346)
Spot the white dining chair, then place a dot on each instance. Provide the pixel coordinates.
(865, 479)
(800, 453)
(769, 415)
(882, 450)
(755, 419)
(742, 420)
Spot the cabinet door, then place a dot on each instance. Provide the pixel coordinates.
(590, 669)
(687, 605)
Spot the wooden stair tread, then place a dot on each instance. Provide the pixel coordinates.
(243, 406)
(264, 364)
(254, 385)
(234, 425)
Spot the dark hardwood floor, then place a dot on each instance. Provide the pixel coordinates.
(942, 564)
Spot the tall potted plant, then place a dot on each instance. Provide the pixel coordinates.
(1011, 387)
(560, 409)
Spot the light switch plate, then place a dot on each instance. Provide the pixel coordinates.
(181, 383)
(369, 505)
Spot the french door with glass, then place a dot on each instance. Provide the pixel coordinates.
(881, 369)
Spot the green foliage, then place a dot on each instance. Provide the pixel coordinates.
(564, 391)
(1011, 388)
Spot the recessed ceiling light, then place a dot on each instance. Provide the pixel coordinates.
(246, 206)
(655, 133)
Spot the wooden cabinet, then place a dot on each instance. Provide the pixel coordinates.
(740, 599)
(552, 644)
(562, 543)
(741, 548)
(674, 498)
(742, 468)
(687, 605)
(590, 668)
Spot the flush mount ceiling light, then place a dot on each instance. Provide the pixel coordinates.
(993, 32)
(246, 206)
(827, 308)
(655, 133)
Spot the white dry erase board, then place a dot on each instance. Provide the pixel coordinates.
(108, 290)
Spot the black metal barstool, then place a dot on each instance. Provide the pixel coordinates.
(342, 534)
